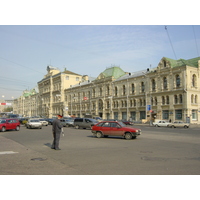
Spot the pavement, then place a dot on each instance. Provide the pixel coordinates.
(28, 162)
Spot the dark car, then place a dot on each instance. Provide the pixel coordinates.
(50, 121)
(127, 122)
(114, 128)
(9, 124)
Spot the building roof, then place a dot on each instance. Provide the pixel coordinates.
(71, 73)
(114, 72)
(182, 62)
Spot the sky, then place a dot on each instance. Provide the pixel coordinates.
(27, 50)
(86, 37)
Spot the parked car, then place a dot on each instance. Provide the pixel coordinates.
(84, 122)
(114, 128)
(9, 124)
(34, 123)
(179, 124)
(43, 121)
(161, 123)
(49, 120)
(127, 122)
(70, 122)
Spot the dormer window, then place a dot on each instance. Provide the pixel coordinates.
(164, 63)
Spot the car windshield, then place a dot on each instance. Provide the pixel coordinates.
(35, 120)
(41, 119)
(2, 121)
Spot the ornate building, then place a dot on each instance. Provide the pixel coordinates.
(169, 91)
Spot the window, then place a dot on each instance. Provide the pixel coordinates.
(133, 88)
(165, 114)
(163, 100)
(194, 114)
(153, 85)
(196, 99)
(167, 99)
(192, 98)
(107, 90)
(178, 114)
(178, 81)
(67, 77)
(116, 91)
(142, 87)
(175, 99)
(180, 98)
(194, 80)
(124, 90)
(77, 78)
(165, 83)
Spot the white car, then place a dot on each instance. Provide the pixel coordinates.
(44, 122)
(34, 123)
(177, 124)
(161, 123)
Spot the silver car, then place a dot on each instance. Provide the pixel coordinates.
(34, 123)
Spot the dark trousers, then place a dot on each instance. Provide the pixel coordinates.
(56, 139)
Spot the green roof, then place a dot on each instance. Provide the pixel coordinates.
(114, 72)
(182, 62)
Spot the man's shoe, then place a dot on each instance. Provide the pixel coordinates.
(52, 147)
(58, 149)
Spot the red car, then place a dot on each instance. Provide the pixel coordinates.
(114, 128)
(9, 124)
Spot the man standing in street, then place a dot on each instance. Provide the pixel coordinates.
(56, 128)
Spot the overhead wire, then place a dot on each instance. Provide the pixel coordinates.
(195, 41)
(170, 42)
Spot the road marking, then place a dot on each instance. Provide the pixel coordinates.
(7, 152)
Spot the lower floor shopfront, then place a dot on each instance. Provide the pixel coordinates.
(145, 116)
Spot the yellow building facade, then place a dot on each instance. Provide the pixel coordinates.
(169, 92)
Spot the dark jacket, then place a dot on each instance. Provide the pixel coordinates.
(56, 126)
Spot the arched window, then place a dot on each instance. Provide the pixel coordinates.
(116, 91)
(175, 99)
(194, 80)
(142, 87)
(180, 98)
(153, 82)
(196, 99)
(192, 98)
(178, 81)
(167, 99)
(165, 83)
(163, 100)
(133, 88)
(124, 90)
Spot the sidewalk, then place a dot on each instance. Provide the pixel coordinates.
(16, 159)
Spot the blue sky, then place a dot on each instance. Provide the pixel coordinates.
(25, 51)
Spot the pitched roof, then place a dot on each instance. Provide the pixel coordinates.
(71, 73)
(181, 62)
(114, 72)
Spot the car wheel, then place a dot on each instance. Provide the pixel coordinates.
(128, 136)
(3, 129)
(185, 126)
(173, 127)
(77, 127)
(99, 134)
(17, 128)
(156, 125)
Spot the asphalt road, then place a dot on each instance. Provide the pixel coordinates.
(158, 151)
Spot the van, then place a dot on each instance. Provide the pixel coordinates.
(84, 123)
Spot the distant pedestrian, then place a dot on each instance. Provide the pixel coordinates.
(57, 129)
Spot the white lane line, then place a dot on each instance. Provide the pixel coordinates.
(7, 152)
